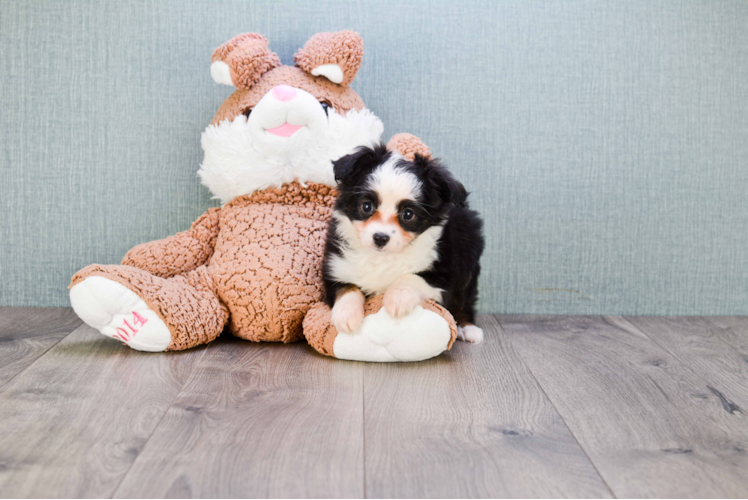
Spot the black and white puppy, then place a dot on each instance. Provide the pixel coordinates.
(403, 229)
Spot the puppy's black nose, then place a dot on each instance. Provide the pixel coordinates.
(381, 239)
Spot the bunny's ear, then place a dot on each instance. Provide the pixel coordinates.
(336, 56)
(408, 145)
(241, 61)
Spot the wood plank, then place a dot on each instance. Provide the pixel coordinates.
(733, 330)
(258, 420)
(470, 423)
(28, 332)
(650, 425)
(707, 349)
(72, 424)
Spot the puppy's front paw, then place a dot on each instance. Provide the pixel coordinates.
(470, 333)
(347, 315)
(399, 300)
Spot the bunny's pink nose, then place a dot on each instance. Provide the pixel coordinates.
(284, 93)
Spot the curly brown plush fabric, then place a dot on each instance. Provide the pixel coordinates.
(320, 333)
(408, 145)
(247, 57)
(180, 253)
(343, 99)
(268, 261)
(319, 330)
(344, 48)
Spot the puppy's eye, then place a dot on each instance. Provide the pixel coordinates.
(367, 207)
(325, 107)
(407, 214)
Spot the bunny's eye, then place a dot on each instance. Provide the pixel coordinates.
(247, 112)
(325, 106)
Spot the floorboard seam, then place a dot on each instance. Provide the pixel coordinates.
(685, 364)
(363, 421)
(705, 318)
(179, 392)
(519, 355)
(41, 355)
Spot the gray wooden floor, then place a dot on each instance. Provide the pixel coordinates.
(545, 407)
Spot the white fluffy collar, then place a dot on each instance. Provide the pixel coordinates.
(235, 164)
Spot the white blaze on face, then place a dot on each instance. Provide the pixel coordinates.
(288, 136)
(392, 186)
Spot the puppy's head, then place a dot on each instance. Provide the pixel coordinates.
(386, 201)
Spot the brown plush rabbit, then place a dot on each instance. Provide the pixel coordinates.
(253, 265)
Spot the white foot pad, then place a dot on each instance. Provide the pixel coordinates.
(117, 312)
(470, 333)
(420, 335)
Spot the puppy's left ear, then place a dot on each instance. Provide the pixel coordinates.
(361, 162)
(449, 189)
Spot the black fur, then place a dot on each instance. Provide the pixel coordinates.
(351, 169)
(332, 247)
(443, 200)
(457, 269)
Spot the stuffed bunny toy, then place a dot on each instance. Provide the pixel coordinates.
(253, 265)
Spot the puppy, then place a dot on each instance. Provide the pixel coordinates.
(402, 229)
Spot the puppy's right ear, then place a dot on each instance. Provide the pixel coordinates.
(438, 178)
(363, 161)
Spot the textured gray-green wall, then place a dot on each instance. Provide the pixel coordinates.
(605, 143)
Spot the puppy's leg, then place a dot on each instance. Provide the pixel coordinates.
(348, 311)
(407, 292)
(463, 310)
(470, 333)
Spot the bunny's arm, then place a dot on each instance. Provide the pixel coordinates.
(180, 253)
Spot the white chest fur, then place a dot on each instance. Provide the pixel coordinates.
(374, 271)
